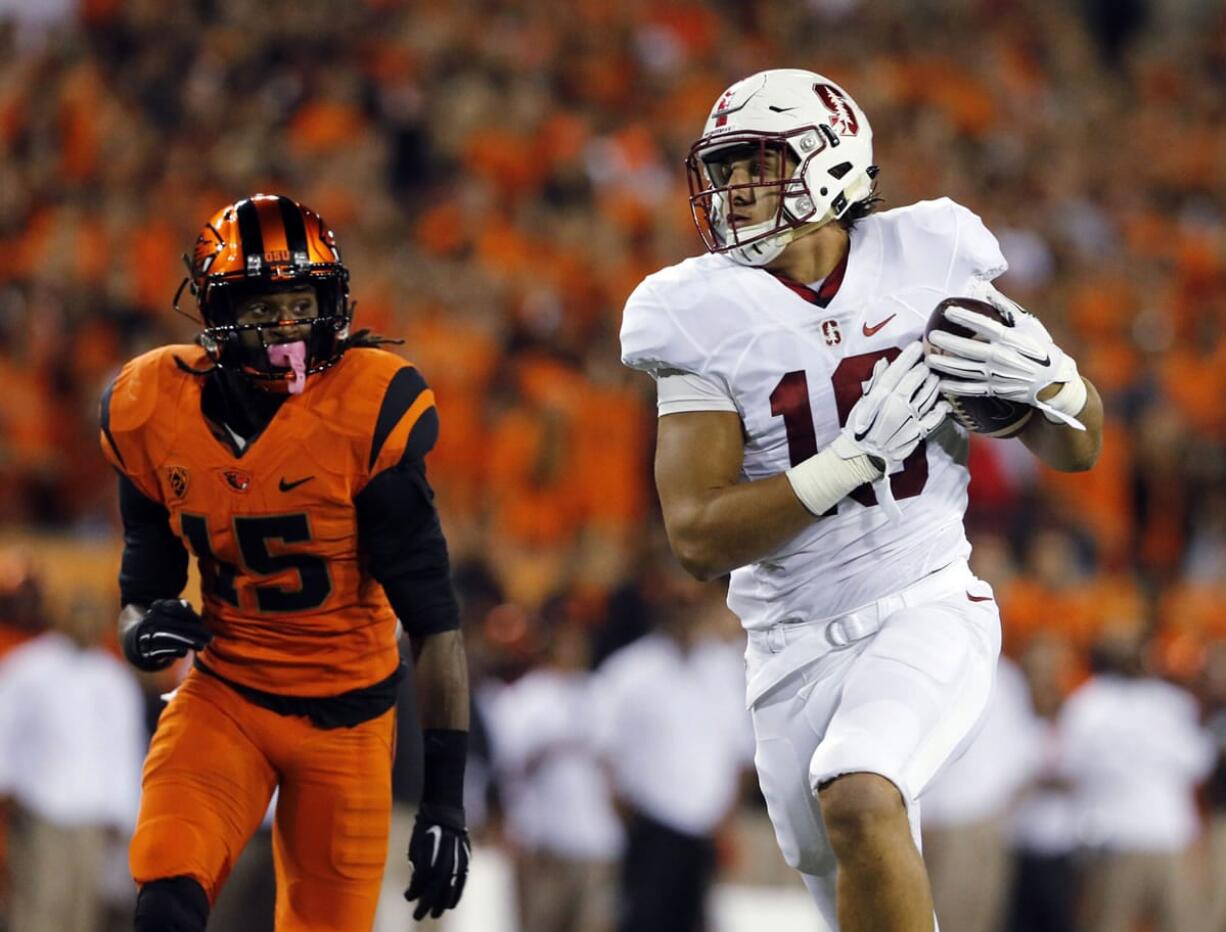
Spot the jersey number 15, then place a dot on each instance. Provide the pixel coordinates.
(253, 533)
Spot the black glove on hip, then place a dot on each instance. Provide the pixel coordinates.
(168, 630)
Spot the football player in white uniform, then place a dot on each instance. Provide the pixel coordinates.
(804, 445)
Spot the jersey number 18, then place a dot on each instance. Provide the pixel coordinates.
(790, 400)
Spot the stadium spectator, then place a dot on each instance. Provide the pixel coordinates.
(72, 738)
(1214, 873)
(1134, 752)
(1043, 830)
(966, 810)
(559, 821)
(672, 729)
(22, 612)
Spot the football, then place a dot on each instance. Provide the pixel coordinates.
(992, 417)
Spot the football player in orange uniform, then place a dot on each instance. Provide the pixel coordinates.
(288, 456)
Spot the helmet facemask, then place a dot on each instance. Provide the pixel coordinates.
(243, 346)
(774, 169)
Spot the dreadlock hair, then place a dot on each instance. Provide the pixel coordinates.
(858, 211)
(366, 339)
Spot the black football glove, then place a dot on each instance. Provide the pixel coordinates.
(168, 630)
(439, 852)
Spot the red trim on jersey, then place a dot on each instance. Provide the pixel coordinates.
(829, 288)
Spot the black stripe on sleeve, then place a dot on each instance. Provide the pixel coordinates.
(249, 232)
(403, 545)
(105, 418)
(402, 391)
(422, 437)
(295, 229)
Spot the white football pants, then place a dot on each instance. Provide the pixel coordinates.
(901, 701)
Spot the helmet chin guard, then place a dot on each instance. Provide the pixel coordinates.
(818, 129)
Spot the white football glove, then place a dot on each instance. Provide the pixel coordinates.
(901, 406)
(1015, 362)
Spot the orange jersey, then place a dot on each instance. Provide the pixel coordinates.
(292, 608)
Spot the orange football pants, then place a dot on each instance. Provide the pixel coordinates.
(212, 767)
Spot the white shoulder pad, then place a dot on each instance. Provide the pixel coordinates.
(662, 324)
(955, 238)
(977, 253)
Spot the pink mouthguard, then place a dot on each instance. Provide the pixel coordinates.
(291, 356)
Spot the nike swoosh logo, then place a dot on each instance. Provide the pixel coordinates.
(287, 486)
(782, 109)
(861, 434)
(869, 331)
(979, 598)
(436, 832)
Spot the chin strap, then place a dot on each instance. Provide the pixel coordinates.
(769, 248)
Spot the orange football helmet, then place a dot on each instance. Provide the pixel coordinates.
(267, 242)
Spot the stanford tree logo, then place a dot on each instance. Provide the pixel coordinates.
(842, 118)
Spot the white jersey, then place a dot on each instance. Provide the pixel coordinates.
(793, 361)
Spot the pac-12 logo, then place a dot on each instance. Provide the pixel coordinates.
(843, 119)
(179, 479)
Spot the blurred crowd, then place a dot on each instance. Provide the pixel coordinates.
(501, 175)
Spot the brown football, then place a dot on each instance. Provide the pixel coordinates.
(993, 417)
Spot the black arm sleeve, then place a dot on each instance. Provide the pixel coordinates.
(403, 543)
(154, 560)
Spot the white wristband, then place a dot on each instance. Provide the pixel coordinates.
(1072, 395)
(825, 479)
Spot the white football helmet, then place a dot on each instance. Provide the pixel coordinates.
(803, 115)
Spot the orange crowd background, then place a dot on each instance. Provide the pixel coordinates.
(501, 175)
